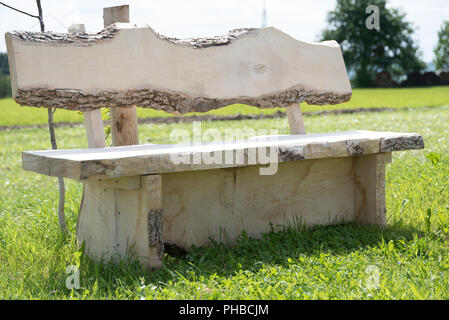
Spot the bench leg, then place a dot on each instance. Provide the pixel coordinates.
(122, 217)
(369, 188)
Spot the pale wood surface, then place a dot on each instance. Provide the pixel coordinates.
(82, 164)
(128, 65)
(120, 222)
(93, 122)
(369, 189)
(124, 128)
(115, 14)
(295, 119)
(77, 28)
(221, 203)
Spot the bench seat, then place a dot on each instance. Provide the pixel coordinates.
(118, 162)
(136, 198)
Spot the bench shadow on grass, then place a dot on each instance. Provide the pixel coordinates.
(274, 248)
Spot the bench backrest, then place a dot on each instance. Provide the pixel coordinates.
(127, 65)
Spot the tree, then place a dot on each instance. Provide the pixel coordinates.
(4, 67)
(442, 49)
(368, 51)
(5, 86)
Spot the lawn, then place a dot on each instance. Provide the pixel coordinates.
(411, 255)
(13, 114)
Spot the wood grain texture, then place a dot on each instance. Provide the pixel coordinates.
(369, 189)
(93, 123)
(107, 163)
(124, 127)
(222, 203)
(115, 14)
(146, 69)
(120, 223)
(295, 119)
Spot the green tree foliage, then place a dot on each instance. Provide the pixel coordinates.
(442, 49)
(368, 51)
(5, 86)
(4, 67)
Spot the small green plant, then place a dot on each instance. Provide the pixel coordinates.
(433, 157)
(106, 115)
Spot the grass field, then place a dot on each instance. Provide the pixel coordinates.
(362, 98)
(411, 255)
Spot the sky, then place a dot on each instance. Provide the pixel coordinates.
(302, 19)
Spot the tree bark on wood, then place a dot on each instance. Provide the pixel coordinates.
(149, 70)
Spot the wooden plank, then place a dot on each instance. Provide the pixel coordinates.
(82, 164)
(369, 189)
(77, 28)
(295, 120)
(222, 203)
(124, 129)
(260, 67)
(93, 122)
(127, 183)
(121, 223)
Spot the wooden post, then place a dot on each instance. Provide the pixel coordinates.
(295, 120)
(93, 121)
(369, 188)
(115, 14)
(123, 120)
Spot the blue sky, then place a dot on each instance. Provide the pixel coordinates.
(303, 19)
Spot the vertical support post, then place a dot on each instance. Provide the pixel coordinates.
(123, 120)
(369, 188)
(295, 120)
(93, 122)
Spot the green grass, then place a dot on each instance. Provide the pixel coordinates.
(320, 263)
(13, 114)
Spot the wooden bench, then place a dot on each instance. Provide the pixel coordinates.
(137, 197)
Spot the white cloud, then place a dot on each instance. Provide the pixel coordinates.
(194, 18)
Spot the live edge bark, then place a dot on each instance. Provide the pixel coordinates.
(244, 66)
